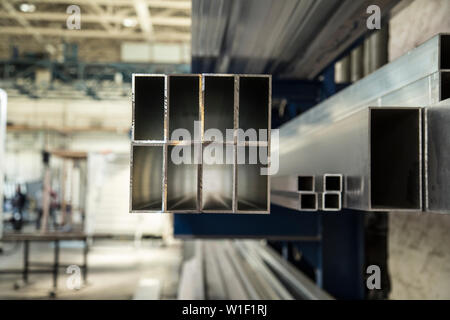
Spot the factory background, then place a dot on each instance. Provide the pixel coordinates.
(68, 129)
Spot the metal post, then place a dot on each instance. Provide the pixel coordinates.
(3, 103)
(26, 245)
(56, 264)
(356, 61)
(85, 262)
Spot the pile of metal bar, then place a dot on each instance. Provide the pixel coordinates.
(242, 270)
(371, 133)
(290, 38)
(186, 143)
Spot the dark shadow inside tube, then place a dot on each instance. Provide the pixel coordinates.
(445, 51)
(219, 103)
(331, 201)
(181, 179)
(148, 108)
(147, 178)
(252, 192)
(305, 183)
(308, 201)
(445, 85)
(254, 103)
(395, 158)
(333, 183)
(184, 92)
(217, 178)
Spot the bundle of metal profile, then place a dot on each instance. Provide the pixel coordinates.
(377, 150)
(419, 78)
(308, 192)
(244, 270)
(198, 143)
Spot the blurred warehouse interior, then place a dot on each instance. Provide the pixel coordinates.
(68, 136)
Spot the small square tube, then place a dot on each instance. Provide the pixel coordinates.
(331, 201)
(305, 183)
(308, 201)
(332, 182)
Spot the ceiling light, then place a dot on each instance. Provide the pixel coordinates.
(129, 22)
(27, 7)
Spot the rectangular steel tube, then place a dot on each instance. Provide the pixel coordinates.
(374, 148)
(331, 201)
(184, 103)
(218, 178)
(418, 67)
(219, 108)
(148, 107)
(436, 162)
(332, 182)
(252, 186)
(254, 104)
(395, 163)
(146, 178)
(308, 201)
(182, 181)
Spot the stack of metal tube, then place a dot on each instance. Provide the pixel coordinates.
(242, 270)
(187, 144)
(309, 192)
(385, 134)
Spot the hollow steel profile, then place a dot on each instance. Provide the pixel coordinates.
(181, 122)
(308, 201)
(377, 150)
(419, 78)
(331, 201)
(436, 158)
(332, 182)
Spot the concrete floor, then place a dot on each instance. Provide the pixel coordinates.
(115, 269)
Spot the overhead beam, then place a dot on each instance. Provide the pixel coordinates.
(143, 14)
(26, 26)
(160, 37)
(101, 13)
(53, 16)
(176, 4)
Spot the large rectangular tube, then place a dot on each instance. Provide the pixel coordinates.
(378, 152)
(437, 159)
(219, 105)
(254, 104)
(184, 104)
(218, 178)
(252, 186)
(423, 68)
(182, 179)
(146, 178)
(148, 107)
